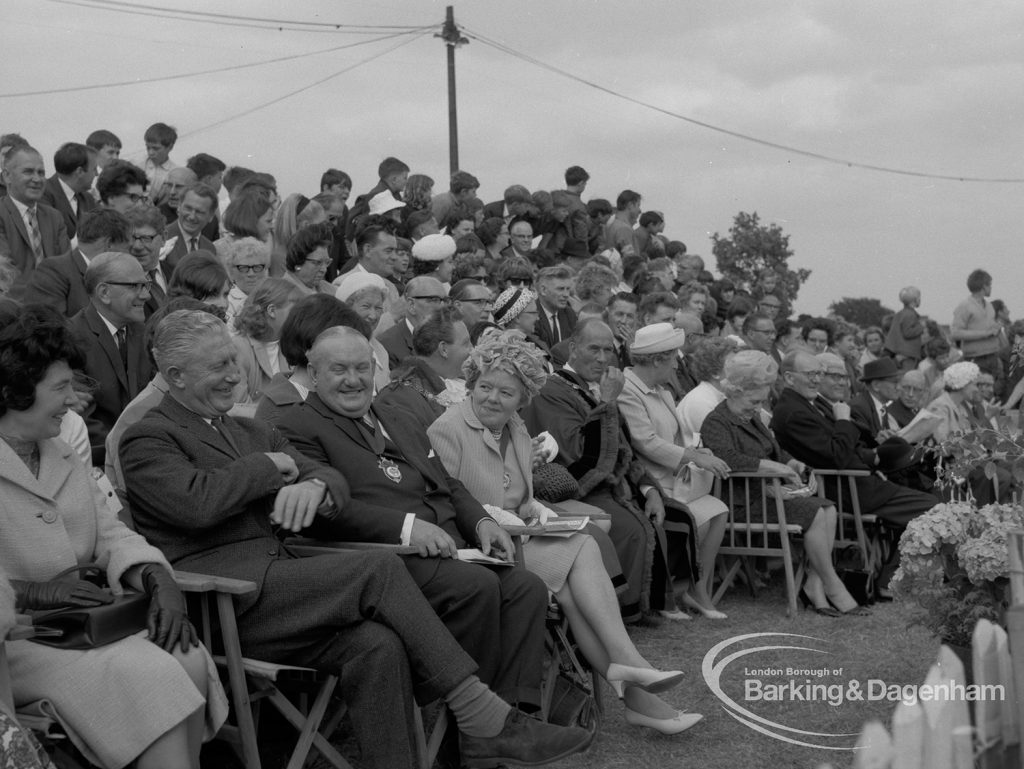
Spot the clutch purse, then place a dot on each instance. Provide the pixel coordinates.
(89, 627)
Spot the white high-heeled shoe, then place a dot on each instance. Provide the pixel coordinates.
(648, 679)
(691, 603)
(678, 723)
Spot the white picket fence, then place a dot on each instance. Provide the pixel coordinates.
(938, 732)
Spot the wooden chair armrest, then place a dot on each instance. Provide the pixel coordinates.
(305, 546)
(207, 583)
(758, 474)
(842, 473)
(591, 516)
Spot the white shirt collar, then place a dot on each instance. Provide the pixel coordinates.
(22, 208)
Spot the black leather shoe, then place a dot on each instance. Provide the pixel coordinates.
(525, 741)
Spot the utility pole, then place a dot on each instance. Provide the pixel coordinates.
(452, 39)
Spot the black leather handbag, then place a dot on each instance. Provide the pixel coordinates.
(89, 627)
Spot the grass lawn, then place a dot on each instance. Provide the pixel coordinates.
(878, 647)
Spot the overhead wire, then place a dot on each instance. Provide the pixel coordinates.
(729, 132)
(231, 68)
(232, 20)
(297, 91)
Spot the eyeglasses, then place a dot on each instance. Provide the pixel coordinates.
(137, 287)
(837, 377)
(478, 302)
(256, 269)
(135, 197)
(520, 281)
(144, 239)
(318, 263)
(429, 299)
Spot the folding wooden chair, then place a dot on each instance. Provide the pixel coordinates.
(252, 681)
(755, 535)
(853, 527)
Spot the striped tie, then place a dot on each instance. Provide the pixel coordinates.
(34, 235)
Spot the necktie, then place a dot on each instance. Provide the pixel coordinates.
(193, 244)
(888, 421)
(220, 425)
(154, 288)
(555, 331)
(122, 347)
(34, 236)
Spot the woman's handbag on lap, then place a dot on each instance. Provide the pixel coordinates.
(89, 627)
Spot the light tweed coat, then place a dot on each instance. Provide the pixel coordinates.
(115, 700)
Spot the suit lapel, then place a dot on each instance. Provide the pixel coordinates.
(262, 359)
(60, 200)
(106, 341)
(406, 335)
(19, 221)
(345, 424)
(54, 469)
(420, 461)
(204, 432)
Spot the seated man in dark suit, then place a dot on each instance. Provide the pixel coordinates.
(68, 190)
(423, 295)
(110, 332)
(556, 319)
(145, 240)
(197, 208)
(869, 408)
(209, 490)
(403, 495)
(909, 394)
(59, 281)
(30, 230)
(825, 437)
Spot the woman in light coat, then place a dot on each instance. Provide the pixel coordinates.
(484, 443)
(150, 698)
(683, 472)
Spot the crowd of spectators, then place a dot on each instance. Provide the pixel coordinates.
(420, 368)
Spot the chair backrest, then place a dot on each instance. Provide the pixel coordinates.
(757, 524)
(840, 488)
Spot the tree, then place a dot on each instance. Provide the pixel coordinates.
(864, 310)
(751, 248)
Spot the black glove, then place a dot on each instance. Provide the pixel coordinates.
(58, 593)
(168, 621)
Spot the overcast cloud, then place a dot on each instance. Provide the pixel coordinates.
(925, 86)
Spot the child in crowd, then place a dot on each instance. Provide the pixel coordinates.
(160, 139)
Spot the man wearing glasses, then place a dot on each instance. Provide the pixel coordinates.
(110, 332)
(471, 301)
(423, 296)
(827, 438)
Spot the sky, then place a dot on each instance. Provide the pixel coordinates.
(929, 87)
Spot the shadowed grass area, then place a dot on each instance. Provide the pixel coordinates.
(879, 646)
